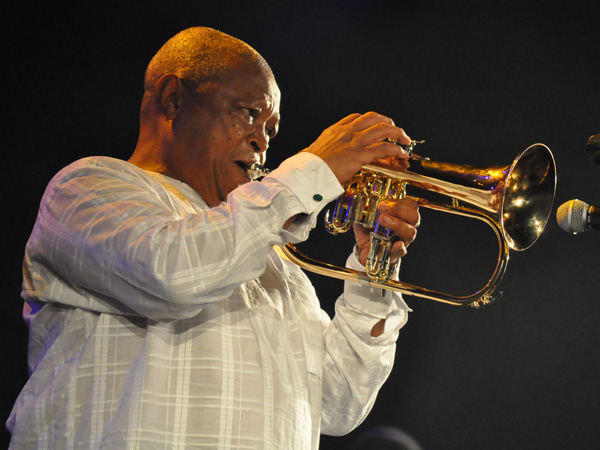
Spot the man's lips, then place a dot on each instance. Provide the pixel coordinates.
(244, 166)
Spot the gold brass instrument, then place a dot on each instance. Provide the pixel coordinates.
(515, 201)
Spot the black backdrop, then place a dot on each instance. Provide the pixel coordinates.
(479, 82)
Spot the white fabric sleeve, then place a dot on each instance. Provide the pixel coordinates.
(111, 239)
(356, 364)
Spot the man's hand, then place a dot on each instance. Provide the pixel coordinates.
(358, 140)
(400, 216)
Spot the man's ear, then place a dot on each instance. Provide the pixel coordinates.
(168, 94)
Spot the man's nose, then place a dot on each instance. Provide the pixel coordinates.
(259, 140)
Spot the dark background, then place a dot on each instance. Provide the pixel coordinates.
(479, 82)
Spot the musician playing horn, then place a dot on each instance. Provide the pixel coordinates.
(160, 315)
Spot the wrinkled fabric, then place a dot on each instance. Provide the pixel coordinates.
(159, 323)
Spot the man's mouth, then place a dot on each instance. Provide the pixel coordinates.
(244, 166)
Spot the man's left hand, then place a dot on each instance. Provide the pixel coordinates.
(400, 216)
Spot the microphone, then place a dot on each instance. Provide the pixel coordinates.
(593, 148)
(576, 216)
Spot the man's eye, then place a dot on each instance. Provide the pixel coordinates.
(251, 114)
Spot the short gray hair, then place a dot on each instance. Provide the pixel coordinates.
(198, 55)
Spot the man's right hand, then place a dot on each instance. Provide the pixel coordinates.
(357, 140)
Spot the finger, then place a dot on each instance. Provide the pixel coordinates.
(401, 217)
(406, 210)
(398, 251)
(367, 120)
(377, 145)
(380, 130)
(384, 150)
(348, 119)
(405, 232)
(362, 235)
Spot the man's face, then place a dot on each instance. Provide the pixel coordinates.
(222, 129)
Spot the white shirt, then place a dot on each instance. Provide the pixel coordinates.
(159, 323)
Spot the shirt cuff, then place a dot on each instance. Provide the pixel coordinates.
(310, 180)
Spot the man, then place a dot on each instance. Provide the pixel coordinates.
(160, 314)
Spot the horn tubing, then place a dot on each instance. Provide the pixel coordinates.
(466, 183)
(479, 298)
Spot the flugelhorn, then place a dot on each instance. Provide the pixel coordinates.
(514, 200)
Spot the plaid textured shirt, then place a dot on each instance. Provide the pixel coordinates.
(159, 323)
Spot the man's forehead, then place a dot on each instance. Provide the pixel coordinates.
(250, 82)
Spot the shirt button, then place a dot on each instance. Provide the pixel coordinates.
(317, 197)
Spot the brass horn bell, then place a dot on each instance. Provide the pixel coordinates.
(515, 201)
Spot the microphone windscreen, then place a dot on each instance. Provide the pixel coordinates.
(571, 216)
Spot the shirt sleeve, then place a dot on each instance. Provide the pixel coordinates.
(356, 364)
(107, 239)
